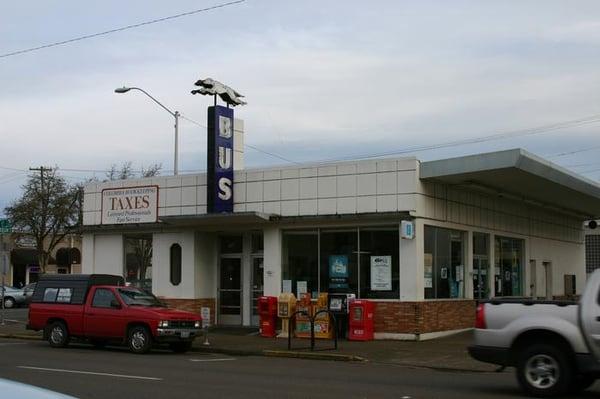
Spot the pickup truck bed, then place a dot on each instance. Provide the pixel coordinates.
(553, 344)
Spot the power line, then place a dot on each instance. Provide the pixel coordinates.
(497, 136)
(153, 21)
(247, 145)
(562, 154)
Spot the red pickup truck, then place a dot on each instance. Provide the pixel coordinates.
(99, 308)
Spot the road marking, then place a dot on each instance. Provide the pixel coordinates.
(212, 360)
(12, 343)
(137, 377)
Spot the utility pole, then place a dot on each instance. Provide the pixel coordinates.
(44, 214)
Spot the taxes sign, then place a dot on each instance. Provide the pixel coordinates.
(130, 205)
(220, 160)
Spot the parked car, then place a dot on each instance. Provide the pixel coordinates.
(12, 296)
(554, 345)
(28, 292)
(12, 389)
(100, 308)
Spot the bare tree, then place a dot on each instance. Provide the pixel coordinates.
(48, 210)
(152, 170)
(125, 171)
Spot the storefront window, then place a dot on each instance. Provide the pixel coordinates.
(339, 263)
(481, 265)
(379, 263)
(138, 261)
(300, 266)
(444, 269)
(328, 260)
(508, 268)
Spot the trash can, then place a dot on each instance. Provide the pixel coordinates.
(361, 320)
(267, 311)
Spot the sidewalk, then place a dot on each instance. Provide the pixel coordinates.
(448, 353)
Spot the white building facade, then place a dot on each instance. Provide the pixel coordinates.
(489, 225)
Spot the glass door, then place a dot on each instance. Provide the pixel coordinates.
(230, 290)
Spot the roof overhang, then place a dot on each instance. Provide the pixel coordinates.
(210, 221)
(216, 219)
(519, 175)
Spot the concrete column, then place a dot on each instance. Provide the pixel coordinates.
(492, 273)
(161, 265)
(272, 260)
(205, 265)
(247, 280)
(412, 265)
(109, 254)
(87, 254)
(469, 266)
(238, 144)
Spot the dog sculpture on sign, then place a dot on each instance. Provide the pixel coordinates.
(211, 87)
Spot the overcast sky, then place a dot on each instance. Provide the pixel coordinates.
(323, 79)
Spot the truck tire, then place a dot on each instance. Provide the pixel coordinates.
(57, 334)
(139, 339)
(544, 370)
(180, 347)
(9, 302)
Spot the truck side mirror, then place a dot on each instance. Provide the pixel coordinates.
(115, 304)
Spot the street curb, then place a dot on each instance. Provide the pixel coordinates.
(314, 356)
(281, 353)
(22, 336)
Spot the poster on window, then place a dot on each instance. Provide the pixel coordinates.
(381, 273)
(338, 271)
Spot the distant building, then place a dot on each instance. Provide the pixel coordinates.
(23, 261)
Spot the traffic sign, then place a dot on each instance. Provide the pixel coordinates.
(5, 226)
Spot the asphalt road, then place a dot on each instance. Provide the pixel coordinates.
(115, 373)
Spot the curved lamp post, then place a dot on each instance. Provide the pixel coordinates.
(122, 90)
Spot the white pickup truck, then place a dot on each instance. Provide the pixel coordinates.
(554, 345)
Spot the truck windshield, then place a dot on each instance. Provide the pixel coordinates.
(135, 297)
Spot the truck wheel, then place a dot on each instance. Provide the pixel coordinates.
(139, 340)
(58, 336)
(9, 303)
(180, 347)
(543, 370)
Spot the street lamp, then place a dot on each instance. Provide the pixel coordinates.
(122, 90)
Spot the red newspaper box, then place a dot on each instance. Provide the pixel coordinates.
(361, 320)
(267, 310)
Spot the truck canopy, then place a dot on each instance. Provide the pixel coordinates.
(78, 285)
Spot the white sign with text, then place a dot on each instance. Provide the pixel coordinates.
(130, 205)
(381, 273)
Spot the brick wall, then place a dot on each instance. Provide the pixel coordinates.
(192, 305)
(423, 317)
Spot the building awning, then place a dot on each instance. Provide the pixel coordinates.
(519, 175)
(217, 219)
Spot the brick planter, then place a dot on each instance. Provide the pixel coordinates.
(192, 305)
(424, 317)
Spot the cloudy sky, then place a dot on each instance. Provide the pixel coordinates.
(323, 80)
